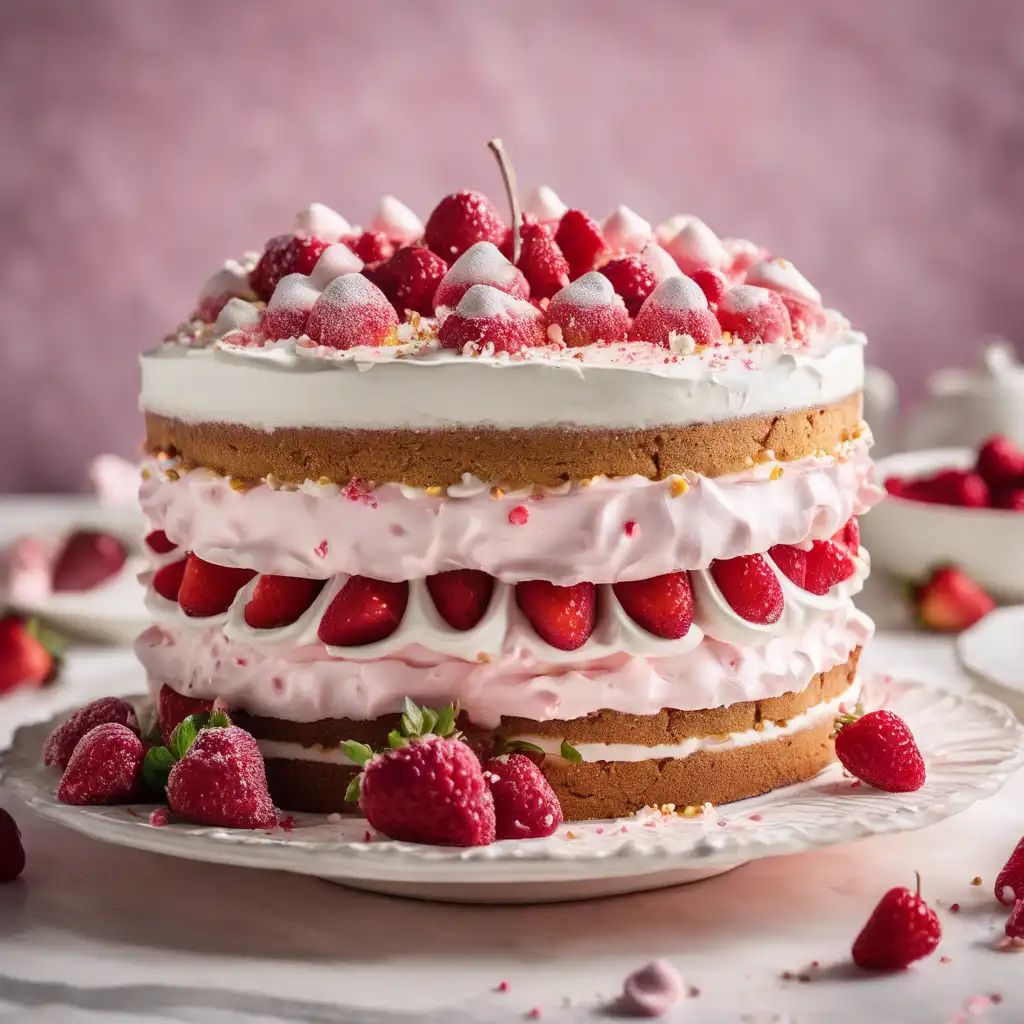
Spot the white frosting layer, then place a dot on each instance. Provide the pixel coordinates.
(592, 752)
(620, 386)
(207, 664)
(404, 533)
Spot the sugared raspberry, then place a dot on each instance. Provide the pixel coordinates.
(581, 242)
(632, 278)
(677, 308)
(352, 311)
(104, 768)
(61, 743)
(460, 220)
(486, 316)
(410, 279)
(713, 283)
(481, 263)
(284, 255)
(801, 299)
(586, 311)
(541, 261)
(289, 306)
(754, 315)
(371, 246)
(525, 805)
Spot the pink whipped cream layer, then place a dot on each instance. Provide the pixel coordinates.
(403, 533)
(206, 664)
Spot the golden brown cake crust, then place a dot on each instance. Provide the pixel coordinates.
(547, 456)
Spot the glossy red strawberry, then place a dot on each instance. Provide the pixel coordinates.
(221, 781)
(880, 749)
(828, 563)
(87, 559)
(364, 611)
(562, 616)
(173, 708)
(461, 596)
(61, 743)
(159, 543)
(12, 853)
(280, 600)
(1010, 881)
(285, 254)
(29, 653)
(792, 561)
(749, 587)
(541, 261)
(525, 805)
(458, 221)
(950, 601)
(105, 767)
(1000, 462)
(581, 242)
(167, 580)
(631, 278)
(663, 605)
(208, 589)
(901, 930)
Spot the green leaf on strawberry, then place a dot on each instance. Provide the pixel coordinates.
(159, 760)
(358, 752)
(156, 768)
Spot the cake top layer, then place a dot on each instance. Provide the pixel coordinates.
(618, 324)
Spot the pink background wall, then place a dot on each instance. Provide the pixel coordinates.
(878, 144)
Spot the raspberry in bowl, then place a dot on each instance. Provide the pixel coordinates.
(953, 506)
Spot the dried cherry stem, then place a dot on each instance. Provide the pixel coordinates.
(508, 176)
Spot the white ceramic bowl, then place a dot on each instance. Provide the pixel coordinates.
(909, 538)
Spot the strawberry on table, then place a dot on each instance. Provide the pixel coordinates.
(525, 805)
(61, 743)
(1010, 881)
(428, 786)
(951, 601)
(901, 930)
(879, 749)
(105, 767)
(30, 654)
(1014, 924)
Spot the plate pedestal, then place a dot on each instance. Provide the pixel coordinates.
(563, 891)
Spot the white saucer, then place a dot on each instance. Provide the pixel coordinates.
(971, 744)
(994, 647)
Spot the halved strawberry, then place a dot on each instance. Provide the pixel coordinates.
(167, 581)
(663, 605)
(792, 561)
(364, 611)
(951, 601)
(172, 708)
(750, 588)
(562, 616)
(828, 563)
(849, 536)
(158, 542)
(279, 600)
(208, 589)
(461, 596)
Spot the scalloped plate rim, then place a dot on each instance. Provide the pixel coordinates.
(695, 843)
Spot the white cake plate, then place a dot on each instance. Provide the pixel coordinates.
(970, 742)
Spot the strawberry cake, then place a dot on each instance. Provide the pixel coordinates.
(594, 483)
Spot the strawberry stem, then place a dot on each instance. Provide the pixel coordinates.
(508, 176)
(917, 875)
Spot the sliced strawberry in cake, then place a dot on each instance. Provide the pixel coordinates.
(486, 316)
(754, 315)
(818, 570)
(208, 589)
(167, 580)
(563, 617)
(586, 311)
(676, 309)
(849, 536)
(364, 611)
(289, 308)
(750, 588)
(280, 600)
(172, 708)
(159, 543)
(481, 263)
(663, 605)
(461, 596)
(352, 311)
(696, 247)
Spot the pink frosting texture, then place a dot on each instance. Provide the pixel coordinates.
(401, 533)
(205, 663)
